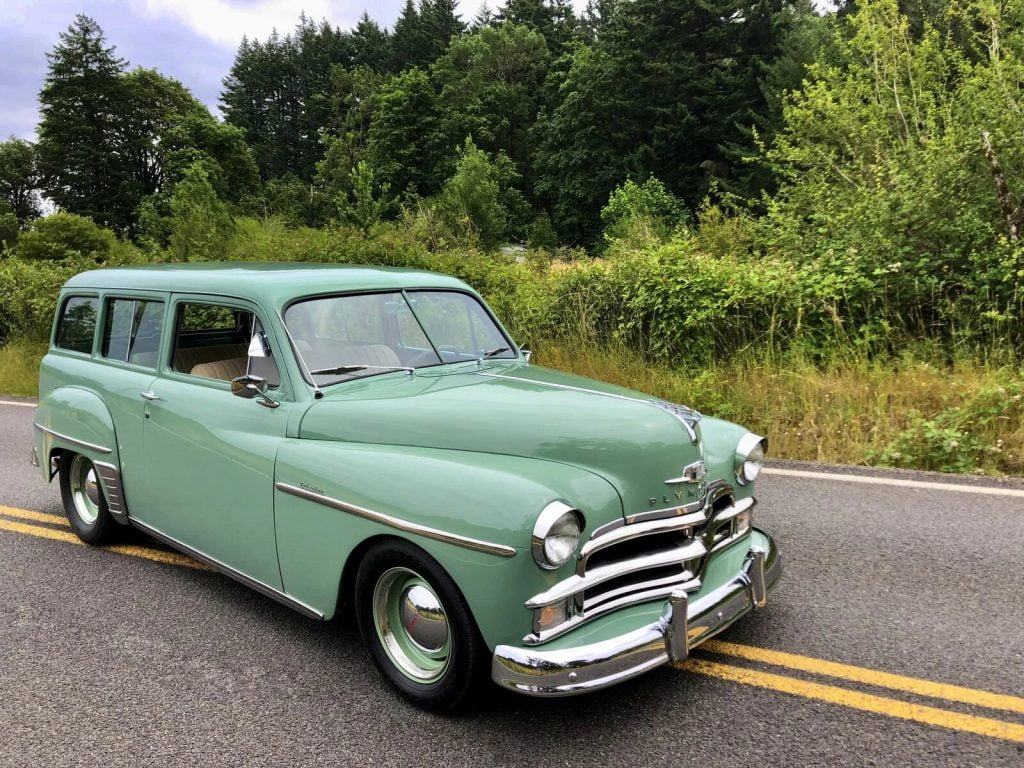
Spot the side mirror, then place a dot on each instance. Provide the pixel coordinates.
(527, 352)
(251, 386)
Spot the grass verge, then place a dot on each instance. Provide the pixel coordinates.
(967, 417)
(19, 366)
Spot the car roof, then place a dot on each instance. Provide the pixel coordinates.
(272, 284)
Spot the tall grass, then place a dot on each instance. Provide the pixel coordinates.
(967, 417)
(19, 366)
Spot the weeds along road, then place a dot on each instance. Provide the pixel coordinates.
(896, 637)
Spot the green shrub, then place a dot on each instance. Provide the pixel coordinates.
(650, 203)
(9, 229)
(28, 293)
(64, 236)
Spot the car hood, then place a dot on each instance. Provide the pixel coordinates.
(520, 410)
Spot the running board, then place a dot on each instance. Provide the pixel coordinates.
(227, 570)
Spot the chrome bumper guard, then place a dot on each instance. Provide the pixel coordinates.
(684, 625)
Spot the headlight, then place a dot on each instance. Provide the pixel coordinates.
(750, 457)
(555, 535)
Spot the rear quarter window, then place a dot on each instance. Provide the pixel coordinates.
(76, 325)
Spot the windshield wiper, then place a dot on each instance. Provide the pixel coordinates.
(341, 370)
(492, 352)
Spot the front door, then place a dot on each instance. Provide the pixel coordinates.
(209, 474)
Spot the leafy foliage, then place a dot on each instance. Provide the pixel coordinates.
(200, 224)
(367, 202)
(19, 179)
(63, 236)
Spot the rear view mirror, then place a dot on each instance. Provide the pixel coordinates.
(248, 386)
(251, 386)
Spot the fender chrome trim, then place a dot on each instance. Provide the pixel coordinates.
(393, 522)
(73, 441)
(227, 570)
(110, 477)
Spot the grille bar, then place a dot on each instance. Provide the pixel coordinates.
(639, 562)
(691, 550)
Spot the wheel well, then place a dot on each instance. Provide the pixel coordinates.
(346, 590)
(54, 460)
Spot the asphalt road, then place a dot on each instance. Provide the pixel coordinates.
(110, 659)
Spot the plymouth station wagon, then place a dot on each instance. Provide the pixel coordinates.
(372, 440)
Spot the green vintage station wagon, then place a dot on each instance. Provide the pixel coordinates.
(372, 441)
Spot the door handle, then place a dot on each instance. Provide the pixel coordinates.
(150, 395)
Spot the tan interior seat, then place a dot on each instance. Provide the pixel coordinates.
(185, 360)
(226, 370)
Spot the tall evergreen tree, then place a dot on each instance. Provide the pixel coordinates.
(490, 85)
(371, 45)
(406, 145)
(80, 104)
(408, 44)
(554, 19)
(442, 22)
(680, 80)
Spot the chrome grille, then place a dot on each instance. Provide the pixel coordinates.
(634, 563)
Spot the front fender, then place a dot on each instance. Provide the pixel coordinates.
(719, 438)
(487, 497)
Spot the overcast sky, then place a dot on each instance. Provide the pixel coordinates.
(191, 40)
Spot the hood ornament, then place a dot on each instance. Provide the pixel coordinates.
(688, 417)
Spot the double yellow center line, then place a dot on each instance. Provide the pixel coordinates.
(55, 527)
(61, 534)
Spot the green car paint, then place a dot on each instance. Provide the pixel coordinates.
(474, 449)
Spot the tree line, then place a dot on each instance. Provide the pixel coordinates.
(543, 112)
(748, 170)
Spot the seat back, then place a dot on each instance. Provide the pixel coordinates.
(226, 370)
(185, 360)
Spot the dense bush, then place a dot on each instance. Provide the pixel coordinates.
(63, 236)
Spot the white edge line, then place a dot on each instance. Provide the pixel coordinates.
(14, 402)
(987, 490)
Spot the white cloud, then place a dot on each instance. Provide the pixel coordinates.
(224, 22)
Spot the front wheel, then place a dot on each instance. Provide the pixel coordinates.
(417, 626)
(84, 503)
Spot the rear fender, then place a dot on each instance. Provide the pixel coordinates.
(77, 420)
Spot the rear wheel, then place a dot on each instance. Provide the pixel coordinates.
(84, 503)
(417, 626)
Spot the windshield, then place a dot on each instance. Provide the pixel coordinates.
(344, 337)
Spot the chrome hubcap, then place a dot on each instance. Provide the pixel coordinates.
(411, 624)
(85, 490)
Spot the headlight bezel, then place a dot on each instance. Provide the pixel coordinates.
(751, 449)
(554, 515)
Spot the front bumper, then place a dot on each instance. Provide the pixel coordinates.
(685, 624)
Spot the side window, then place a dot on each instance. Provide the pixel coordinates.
(77, 324)
(132, 331)
(220, 342)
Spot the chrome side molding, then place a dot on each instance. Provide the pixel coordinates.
(393, 522)
(72, 440)
(227, 570)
